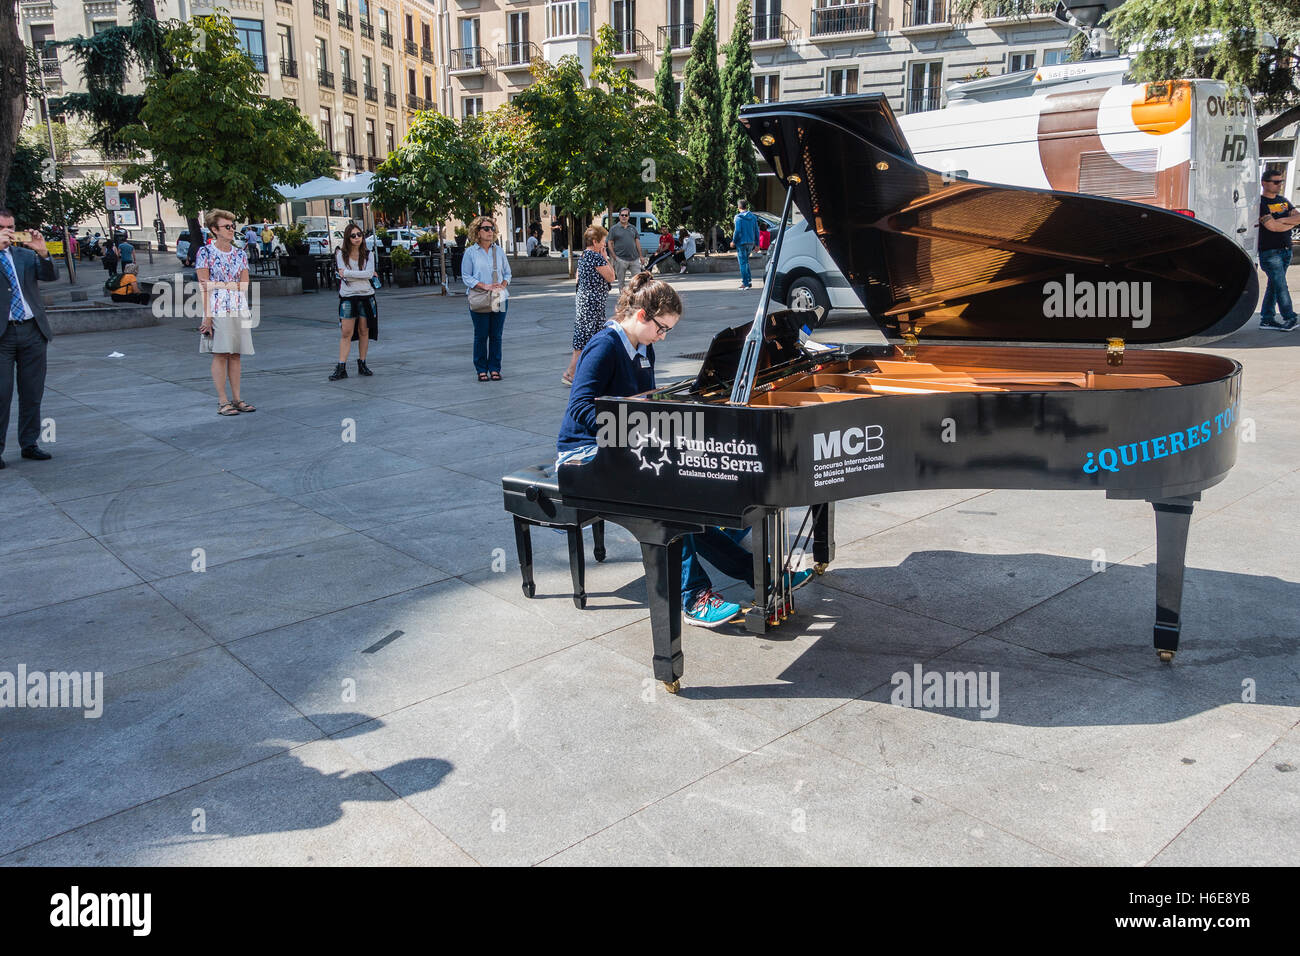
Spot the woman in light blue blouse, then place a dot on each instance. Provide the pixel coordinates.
(485, 271)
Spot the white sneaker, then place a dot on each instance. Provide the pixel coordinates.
(682, 272)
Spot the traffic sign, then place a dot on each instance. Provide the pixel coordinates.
(112, 201)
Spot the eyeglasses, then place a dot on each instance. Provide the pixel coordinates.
(663, 329)
(487, 228)
(226, 225)
(354, 235)
(1275, 182)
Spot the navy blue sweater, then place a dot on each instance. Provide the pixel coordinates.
(603, 370)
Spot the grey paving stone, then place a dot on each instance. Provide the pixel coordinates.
(293, 585)
(85, 475)
(1253, 819)
(460, 540)
(310, 806)
(167, 548)
(792, 804)
(1108, 784)
(551, 751)
(111, 632)
(346, 463)
(163, 727)
(153, 504)
(396, 651)
(30, 521)
(60, 572)
(397, 498)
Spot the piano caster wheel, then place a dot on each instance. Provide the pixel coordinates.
(599, 554)
(1165, 656)
(820, 567)
(529, 589)
(673, 686)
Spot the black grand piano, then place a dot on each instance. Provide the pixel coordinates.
(1020, 324)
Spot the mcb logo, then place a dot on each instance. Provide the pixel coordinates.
(848, 441)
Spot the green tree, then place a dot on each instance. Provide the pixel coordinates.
(665, 85)
(213, 138)
(700, 113)
(1222, 39)
(738, 91)
(439, 171)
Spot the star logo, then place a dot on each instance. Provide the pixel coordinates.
(650, 439)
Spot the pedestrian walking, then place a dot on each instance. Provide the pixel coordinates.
(744, 237)
(110, 259)
(226, 331)
(358, 312)
(1277, 217)
(594, 277)
(125, 252)
(486, 274)
(268, 237)
(625, 242)
(24, 334)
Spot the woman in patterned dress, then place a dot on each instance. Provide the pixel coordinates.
(227, 323)
(594, 277)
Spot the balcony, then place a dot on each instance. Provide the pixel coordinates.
(675, 36)
(925, 16)
(372, 93)
(630, 45)
(774, 29)
(567, 19)
(848, 19)
(367, 29)
(517, 56)
(414, 102)
(259, 61)
(321, 9)
(922, 101)
(349, 86)
(386, 38)
(1004, 11)
(288, 68)
(412, 48)
(426, 54)
(345, 20)
(470, 59)
(356, 162)
(390, 100)
(325, 78)
(51, 69)
(372, 163)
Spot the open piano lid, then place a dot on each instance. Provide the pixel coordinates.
(949, 258)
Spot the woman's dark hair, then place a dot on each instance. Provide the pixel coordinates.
(363, 254)
(682, 233)
(646, 292)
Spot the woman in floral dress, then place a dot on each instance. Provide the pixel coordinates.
(226, 331)
(594, 277)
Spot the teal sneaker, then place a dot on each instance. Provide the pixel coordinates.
(711, 609)
(799, 578)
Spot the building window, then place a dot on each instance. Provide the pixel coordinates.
(345, 62)
(349, 134)
(370, 138)
(924, 86)
(517, 29)
(43, 40)
(389, 139)
(841, 81)
(410, 28)
(767, 87)
(623, 19)
(471, 106)
(424, 36)
(1053, 57)
(410, 83)
(428, 87)
(326, 127)
(367, 71)
(99, 26)
(1020, 61)
(767, 20)
(384, 25)
(568, 18)
(322, 54)
(286, 44)
(252, 41)
(388, 78)
(469, 32)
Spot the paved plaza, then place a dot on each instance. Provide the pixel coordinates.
(316, 650)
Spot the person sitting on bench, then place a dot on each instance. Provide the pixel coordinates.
(126, 287)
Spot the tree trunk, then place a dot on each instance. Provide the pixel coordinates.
(13, 91)
(196, 239)
(1288, 116)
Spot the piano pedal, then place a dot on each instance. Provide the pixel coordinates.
(673, 686)
(1166, 657)
(820, 567)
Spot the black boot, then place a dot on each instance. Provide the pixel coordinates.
(340, 371)
(362, 369)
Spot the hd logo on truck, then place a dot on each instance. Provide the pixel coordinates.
(845, 452)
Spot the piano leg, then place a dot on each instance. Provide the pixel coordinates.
(577, 567)
(823, 536)
(598, 539)
(663, 584)
(760, 540)
(524, 546)
(1173, 517)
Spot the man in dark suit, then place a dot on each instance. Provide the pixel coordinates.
(24, 333)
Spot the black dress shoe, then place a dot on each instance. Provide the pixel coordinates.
(2, 464)
(34, 452)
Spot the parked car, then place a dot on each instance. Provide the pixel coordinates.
(807, 277)
(404, 237)
(338, 240)
(318, 243)
(183, 243)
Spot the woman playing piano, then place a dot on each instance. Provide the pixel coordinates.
(619, 361)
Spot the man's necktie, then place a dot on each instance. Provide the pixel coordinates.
(16, 311)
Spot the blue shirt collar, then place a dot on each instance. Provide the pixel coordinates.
(632, 350)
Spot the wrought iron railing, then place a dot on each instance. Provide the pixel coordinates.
(676, 36)
(522, 53)
(631, 43)
(426, 54)
(372, 93)
(412, 47)
(288, 67)
(774, 26)
(390, 100)
(919, 13)
(321, 8)
(922, 101)
(349, 86)
(345, 20)
(367, 29)
(386, 38)
(325, 78)
(845, 18)
(470, 58)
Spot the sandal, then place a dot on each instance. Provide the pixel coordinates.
(482, 376)
(568, 382)
(243, 406)
(496, 376)
(227, 409)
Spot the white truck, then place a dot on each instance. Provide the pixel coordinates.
(1186, 145)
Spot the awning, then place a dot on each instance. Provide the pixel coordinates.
(326, 187)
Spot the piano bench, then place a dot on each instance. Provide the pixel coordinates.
(532, 497)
